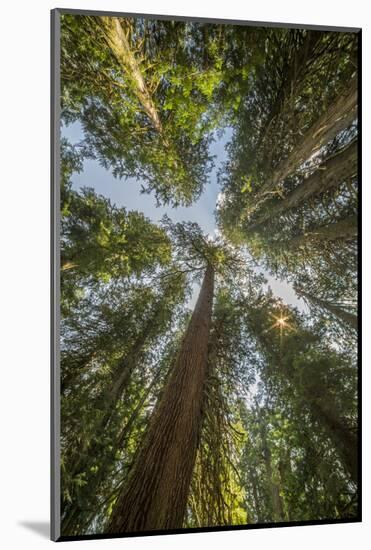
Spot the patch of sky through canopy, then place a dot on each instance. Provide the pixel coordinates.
(127, 193)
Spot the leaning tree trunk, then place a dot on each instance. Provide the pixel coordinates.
(106, 402)
(335, 119)
(344, 440)
(344, 316)
(324, 411)
(155, 496)
(115, 37)
(345, 230)
(331, 173)
(117, 41)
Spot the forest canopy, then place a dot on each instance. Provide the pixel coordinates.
(192, 395)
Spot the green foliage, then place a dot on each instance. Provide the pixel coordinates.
(278, 439)
(112, 238)
(100, 242)
(304, 74)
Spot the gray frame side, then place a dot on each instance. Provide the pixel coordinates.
(55, 508)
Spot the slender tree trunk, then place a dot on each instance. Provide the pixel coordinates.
(121, 379)
(156, 494)
(117, 41)
(346, 229)
(331, 173)
(325, 411)
(276, 501)
(124, 370)
(277, 505)
(345, 316)
(80, 364)
(74, 512)
(254, 485)
(66, 266)
(125, 432)
(284, 467)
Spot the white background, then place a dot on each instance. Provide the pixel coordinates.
(24, 269)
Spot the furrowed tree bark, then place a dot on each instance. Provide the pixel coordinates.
(331, 173)
(211, 508)
(335, 119)
(155, 496)
(118, 43)
(345, 316)
(72, 521)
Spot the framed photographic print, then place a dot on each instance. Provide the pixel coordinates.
(205, 274)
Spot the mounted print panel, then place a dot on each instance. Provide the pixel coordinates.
(205, 275)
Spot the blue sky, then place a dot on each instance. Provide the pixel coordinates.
(126, 192)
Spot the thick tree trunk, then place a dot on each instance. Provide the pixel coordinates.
(345, 316)
(156, 494)
(335, 119)
(331, 173)
(346, 230)
(118, 43)
(211, 508)
(107, 403)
